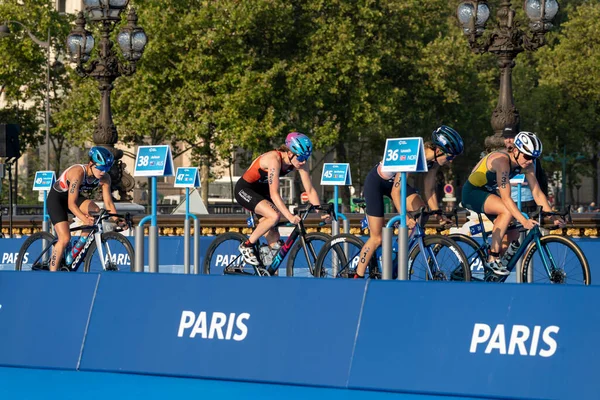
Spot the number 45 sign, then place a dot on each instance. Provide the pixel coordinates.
(404, 155)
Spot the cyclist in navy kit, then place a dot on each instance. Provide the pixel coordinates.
(258, 190)
(445, 145)
(65, 196)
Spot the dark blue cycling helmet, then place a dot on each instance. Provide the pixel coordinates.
(300, 145)
(448, 140)
(101, 157)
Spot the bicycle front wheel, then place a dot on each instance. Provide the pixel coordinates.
(302, 262)
(118, 254)
(558, 260)
(223, 253)
(36, 252)
(339, 257)
(441, 260)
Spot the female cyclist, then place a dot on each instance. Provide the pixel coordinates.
(487, 190)
(65, 196)
(444, 146)
(258, 190)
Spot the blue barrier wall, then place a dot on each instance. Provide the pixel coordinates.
(43, 318)
(480, 340)
(268, 330)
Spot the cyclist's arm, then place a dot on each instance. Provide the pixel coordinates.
(310, 190)
(75, 177)
(105, 183)
(539, 196)
(273, 167)
(502, 167)
(396, 191)
(430, 183)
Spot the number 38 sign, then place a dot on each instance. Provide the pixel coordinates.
(154, 161)
(404, 155)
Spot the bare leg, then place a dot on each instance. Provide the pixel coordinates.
(64, 236)
(271, 216)
(494, 206)
(374, 241)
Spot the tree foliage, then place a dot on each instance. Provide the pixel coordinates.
(226, 80)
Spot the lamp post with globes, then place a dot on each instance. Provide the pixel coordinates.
(506, 41)
(106, 68)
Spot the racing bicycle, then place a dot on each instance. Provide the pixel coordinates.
(223, 256)
(430, 257)
(115, 252)
(538, 259)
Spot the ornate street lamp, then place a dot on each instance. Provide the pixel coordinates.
(506, 40)
(106, 67)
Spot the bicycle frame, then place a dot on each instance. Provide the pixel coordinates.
(533, 235)
(95, 234)
(299, 231)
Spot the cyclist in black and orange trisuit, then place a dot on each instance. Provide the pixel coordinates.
(444, 146)
(258, 190)
(65, 196)
(487, 191)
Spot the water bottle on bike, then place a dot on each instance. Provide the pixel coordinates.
(510, 252)
(76, 249)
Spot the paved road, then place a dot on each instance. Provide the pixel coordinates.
(36, 384)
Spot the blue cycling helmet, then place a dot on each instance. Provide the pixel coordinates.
(448, 140)
(300, 145)
(101, 157)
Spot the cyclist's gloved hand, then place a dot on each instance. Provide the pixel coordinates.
(326, 218)
(560, 222)
(444, 220)
(410, 222)
(529, 224)
(89, 220)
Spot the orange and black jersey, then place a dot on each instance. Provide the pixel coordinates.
(255, 174)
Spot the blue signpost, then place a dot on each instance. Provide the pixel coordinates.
(151, 161)
(336, 174)
(43, 182)
(188, 177)
(401, 155)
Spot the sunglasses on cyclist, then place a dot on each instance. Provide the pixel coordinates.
(103, 168)
(528, 157)
(449, 157)
(301, 157)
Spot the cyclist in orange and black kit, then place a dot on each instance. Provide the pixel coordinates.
(258, 190)
(65, 196)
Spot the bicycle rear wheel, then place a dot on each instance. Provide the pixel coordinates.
(475, 254)
(559, 260)
(36, 252)
(301, 264)
(223, 254)
(339, 257)
(442, 260)
(118, 254)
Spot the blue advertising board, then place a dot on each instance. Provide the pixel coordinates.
(225, 327)
(510, 341)
(153, 161)
(404, 155)
(336, 174)
(43, 318)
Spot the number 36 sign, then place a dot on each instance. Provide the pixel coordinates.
(404, 155)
